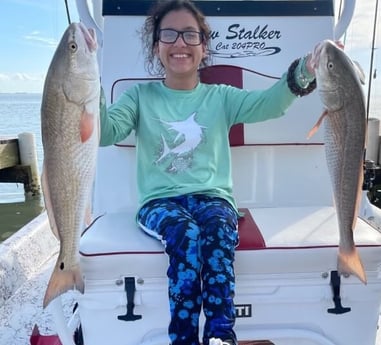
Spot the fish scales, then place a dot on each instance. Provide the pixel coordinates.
(70, 136)
(344, 160)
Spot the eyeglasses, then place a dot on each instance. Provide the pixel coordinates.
(191, 38)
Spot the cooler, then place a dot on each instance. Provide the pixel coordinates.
(288, 290)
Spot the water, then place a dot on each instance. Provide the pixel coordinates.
(19, 112)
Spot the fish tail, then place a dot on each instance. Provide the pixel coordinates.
(350, 263)
(62, 281)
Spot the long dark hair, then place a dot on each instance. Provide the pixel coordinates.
(149, 33)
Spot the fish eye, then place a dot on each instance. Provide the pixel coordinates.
(73, 46)
(330, 65)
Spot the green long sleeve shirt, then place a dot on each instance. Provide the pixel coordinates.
(182, 136)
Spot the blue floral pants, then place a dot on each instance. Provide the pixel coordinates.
(200, 235)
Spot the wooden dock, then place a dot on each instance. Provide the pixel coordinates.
(18, 163)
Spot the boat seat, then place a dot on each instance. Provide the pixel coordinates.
(272, 240)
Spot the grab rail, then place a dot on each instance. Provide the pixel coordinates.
(344, 19)
(89, 20)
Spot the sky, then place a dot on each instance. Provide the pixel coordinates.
(29, 33)
(31, 29)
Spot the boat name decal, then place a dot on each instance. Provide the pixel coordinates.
(240, 42)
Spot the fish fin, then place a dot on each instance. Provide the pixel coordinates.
(358, 198)
(86, 125)
(48, 203)
(350, 263)
(166, 150)
(88, 216)
(314, 129)
(62, 281)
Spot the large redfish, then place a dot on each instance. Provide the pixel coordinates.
(339, 85)
(70, 137)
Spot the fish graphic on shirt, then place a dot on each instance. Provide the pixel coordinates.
(181, 148)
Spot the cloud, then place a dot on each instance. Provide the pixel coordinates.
(25, 82)
(27, 77)
(21, 76)
(4, 77)
(37, 37)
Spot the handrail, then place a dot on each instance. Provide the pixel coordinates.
(344, 19)
(88, 20)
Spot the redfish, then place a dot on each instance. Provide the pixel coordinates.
(70, 137)
(339, 86)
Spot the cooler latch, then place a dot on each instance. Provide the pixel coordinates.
(335, 285)
(129, 287)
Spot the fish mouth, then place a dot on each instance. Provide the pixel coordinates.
(320, 52)
(90, 37)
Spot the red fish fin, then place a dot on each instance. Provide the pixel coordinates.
(88, 215)
(314, 129)
(48, 203)
(350, 263)
(62, 281)
(86, 125)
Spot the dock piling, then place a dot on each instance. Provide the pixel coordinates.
(28, 157)
(18, 163)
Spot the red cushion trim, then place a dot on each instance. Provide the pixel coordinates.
(250, 236)
(229, 75)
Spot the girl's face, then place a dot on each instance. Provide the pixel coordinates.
(180, 60)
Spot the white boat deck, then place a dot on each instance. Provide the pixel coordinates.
(21, 310)
(24, 309)
(27, 260)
